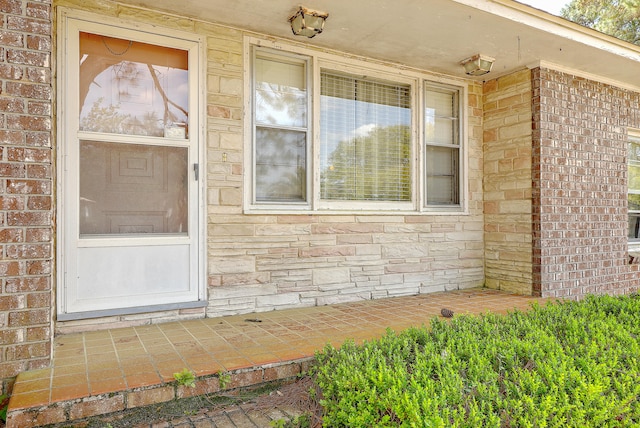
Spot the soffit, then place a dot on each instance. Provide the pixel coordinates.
(432, 35)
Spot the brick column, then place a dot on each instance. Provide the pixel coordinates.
(580, 185)
(26, 186)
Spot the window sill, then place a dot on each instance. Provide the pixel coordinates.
(368, 212)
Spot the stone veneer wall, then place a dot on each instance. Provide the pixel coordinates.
(26, 216)
(507, 183)
(580, 185)
(265, 262)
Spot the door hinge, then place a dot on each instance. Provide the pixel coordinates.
(196, 171)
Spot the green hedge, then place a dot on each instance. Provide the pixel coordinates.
(568, 364)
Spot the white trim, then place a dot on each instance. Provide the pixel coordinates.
(61, 162)
(579, 73)
(315, 76)
(201, 107)
(535, 18)
(632, 245)
(464, 142)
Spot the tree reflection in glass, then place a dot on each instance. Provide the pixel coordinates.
(130, 87)
(281, 130)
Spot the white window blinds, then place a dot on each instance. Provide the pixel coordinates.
(365, 139)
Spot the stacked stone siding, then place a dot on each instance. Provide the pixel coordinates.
(26, 187)
(580, 185)
(265, 262)
(507, 183)
(287, 261)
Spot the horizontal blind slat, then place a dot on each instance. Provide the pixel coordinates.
(365, 139)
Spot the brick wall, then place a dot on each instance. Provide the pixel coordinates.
(507, 182)
(579, 178)
(26, 186)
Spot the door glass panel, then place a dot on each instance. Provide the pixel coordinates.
(129, 87)
(132, 189)
(634, 227)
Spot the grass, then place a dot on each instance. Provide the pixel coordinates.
(569, 364)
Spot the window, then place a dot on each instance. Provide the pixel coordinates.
(442, 140)
(365, 139)
(327, 135)
(633, 165)
(281, 103)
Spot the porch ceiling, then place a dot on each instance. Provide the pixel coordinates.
(431, 34)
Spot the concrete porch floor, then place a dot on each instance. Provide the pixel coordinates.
(106, 371)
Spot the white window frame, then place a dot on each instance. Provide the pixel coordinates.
(320, 60)
(299, 205)
(633, 245)
(461, 146)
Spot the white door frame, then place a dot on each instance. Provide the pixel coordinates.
(69, 23)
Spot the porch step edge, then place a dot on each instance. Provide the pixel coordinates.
(102, 404)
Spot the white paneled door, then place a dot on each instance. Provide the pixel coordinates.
(130, 188)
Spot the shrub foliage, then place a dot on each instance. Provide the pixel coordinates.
(567, 364)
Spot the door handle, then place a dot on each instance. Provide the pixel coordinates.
(196, 171)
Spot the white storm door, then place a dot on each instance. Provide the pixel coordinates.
(131, 187)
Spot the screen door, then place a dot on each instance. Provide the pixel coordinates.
(131, 181)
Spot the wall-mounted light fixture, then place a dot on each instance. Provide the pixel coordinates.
(477, 65)
(307, 22)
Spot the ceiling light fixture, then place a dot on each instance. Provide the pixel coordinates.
(477, 65)
(307, 22)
